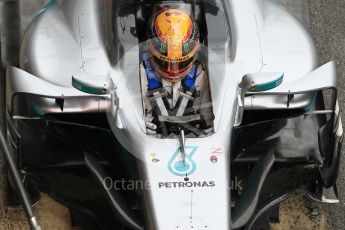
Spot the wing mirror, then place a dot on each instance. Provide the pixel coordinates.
(324, 77)
(101, 86)
(256, 82)
(259, 82)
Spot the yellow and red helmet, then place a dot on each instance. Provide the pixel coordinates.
(173, 43)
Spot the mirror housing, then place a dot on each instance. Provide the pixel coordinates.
(324, 77)
(259, 82)
(255, 82)
(100, 86)
(94, 86)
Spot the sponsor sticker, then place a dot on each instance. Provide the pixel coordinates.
(215, 152)
(154, 157)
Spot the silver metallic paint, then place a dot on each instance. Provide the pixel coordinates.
(71, 37)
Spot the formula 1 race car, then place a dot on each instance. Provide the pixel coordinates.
(147, 114)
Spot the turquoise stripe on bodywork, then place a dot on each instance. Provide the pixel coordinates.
(87, 89)
(50, 4)
(269, 85)
(312, 104)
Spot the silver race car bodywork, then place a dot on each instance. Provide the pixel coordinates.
(82, 57)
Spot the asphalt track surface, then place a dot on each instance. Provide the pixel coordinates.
(325, 19)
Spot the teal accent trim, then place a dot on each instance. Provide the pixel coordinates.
(36, 109)
(50, 4)
(87, 89)
(180, 168)
(268, 86)
(312, 104)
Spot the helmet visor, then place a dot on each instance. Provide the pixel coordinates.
(173, 70)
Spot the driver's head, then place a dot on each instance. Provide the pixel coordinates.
(173, 43)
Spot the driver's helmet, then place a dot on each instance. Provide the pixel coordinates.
(173, 42)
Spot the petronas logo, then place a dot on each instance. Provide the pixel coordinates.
(178, 167)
